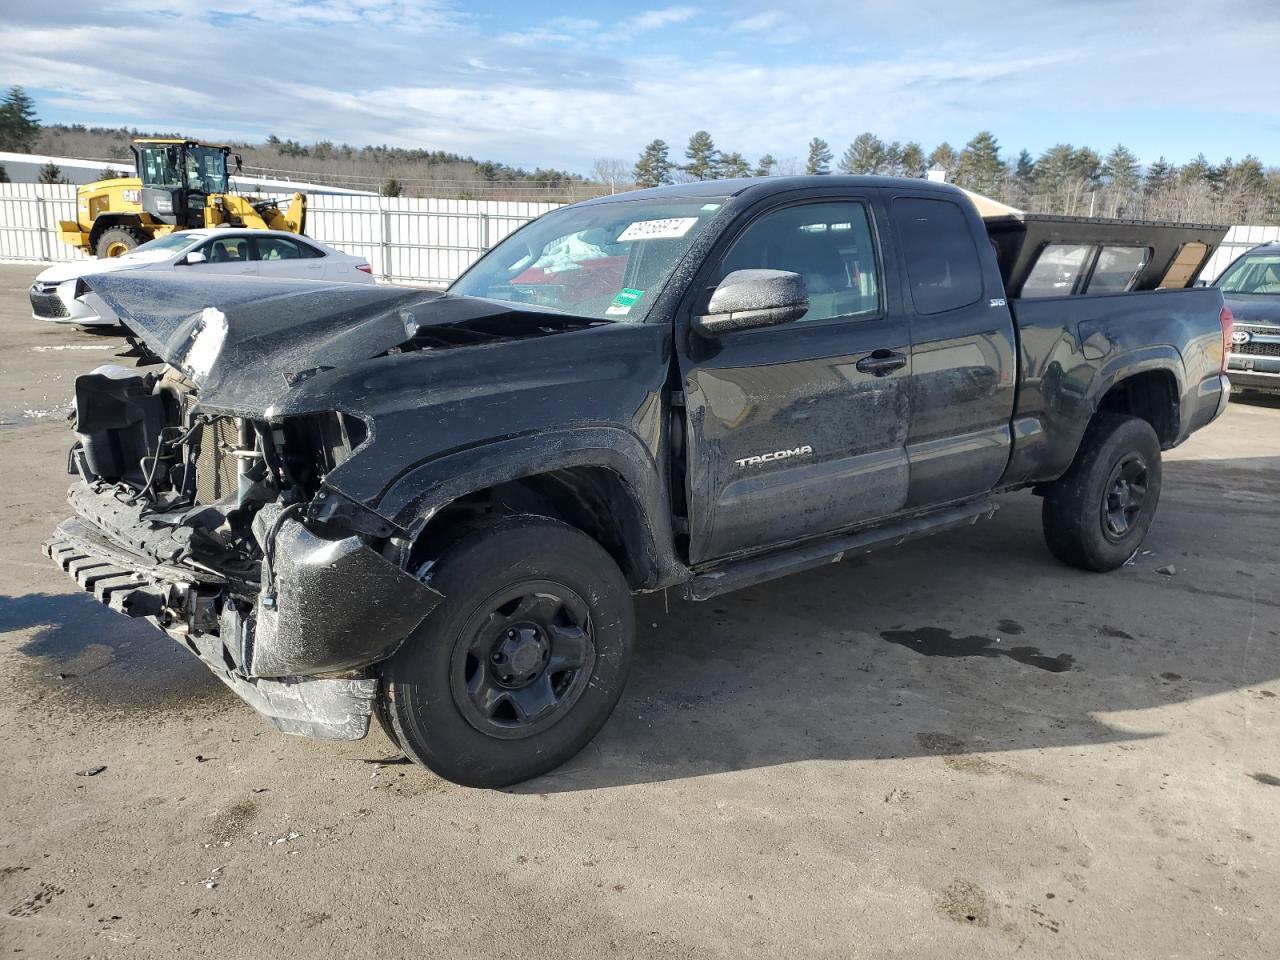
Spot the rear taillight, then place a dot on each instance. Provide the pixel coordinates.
(364, 268)
(1228, 321)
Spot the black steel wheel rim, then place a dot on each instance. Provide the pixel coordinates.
(523, 659)
(1124, 496)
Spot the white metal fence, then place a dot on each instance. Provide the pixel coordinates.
(404, 239)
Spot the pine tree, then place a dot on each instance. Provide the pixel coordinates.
(392, 188)
(944, 158)
(1121, 174)
(864, 156)
(1158, 177)
(51, 173)
(1120, 168)
(1024, 168)
(19, 126)
(819, 157)
(765, 167)
(4, 174)
(1197, 171)
(913, 164)
(654, 166)
(892, 165)
(702, 156)
(1064, 175)
(733, 165)
(980, 168)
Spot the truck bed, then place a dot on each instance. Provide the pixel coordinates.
(1069, 347)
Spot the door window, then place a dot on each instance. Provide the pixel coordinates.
(282, 248)
(828, 244)
(943, 269)
(227, 250)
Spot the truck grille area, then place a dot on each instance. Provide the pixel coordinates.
(45, 302)
(1255, 349)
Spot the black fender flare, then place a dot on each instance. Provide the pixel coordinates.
(417, 494)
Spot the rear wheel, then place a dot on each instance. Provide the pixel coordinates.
(117, 241)
(1098, 513)
(523, 661)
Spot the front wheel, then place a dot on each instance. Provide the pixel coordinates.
(1097, 513)
(522, 662)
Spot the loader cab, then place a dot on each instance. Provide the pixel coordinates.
(177, 178)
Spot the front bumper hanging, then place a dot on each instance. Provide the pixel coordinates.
(296, 655)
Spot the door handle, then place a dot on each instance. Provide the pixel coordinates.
(881, 362)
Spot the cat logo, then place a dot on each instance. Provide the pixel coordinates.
(806, 450)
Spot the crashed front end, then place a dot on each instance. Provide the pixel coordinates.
(219, 528)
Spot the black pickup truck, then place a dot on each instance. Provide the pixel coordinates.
(433, 508)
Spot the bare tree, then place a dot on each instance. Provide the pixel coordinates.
(614, 173)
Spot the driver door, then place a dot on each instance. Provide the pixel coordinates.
(799, 430)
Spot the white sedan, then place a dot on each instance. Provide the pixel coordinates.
(57, 294)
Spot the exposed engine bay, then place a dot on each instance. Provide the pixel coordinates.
(217, 528)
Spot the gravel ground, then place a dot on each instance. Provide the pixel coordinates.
(957, 749)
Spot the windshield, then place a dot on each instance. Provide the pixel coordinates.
(606, 261)
(207, 170)
(166, 244)
(1253, 273)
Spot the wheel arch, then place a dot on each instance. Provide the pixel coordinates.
(602, 481)
(106, 221)
(1153, 395)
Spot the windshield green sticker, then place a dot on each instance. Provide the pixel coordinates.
(708, 207)
(624, 301)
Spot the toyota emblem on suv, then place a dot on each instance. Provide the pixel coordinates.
(1240, 336)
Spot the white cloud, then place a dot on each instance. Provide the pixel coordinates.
(562, 90)
(665, 17)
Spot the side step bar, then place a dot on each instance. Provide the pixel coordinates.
(806, 556)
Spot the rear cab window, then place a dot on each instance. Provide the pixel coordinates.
(943, 269)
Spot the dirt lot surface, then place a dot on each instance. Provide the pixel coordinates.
(958, 749)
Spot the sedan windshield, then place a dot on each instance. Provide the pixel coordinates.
(606, 261)
(170, 241)
(1254, 273)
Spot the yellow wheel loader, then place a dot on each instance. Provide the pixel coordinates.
(180, 184)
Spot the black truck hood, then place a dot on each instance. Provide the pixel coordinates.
(248, 342)
(1255, 309)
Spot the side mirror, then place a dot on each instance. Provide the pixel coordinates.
(239, 163)
(194, 257)
(754, 298)
(1201, 283)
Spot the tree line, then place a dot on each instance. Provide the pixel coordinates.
(1064, 179)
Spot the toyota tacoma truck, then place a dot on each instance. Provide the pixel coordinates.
(433, 508)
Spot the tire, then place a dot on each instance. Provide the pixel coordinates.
(474, 694)
(117, 241)
(1097, 514)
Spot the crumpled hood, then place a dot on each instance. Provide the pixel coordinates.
(1255, 309)
(247, 342)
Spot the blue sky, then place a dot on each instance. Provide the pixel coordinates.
(547, 85)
